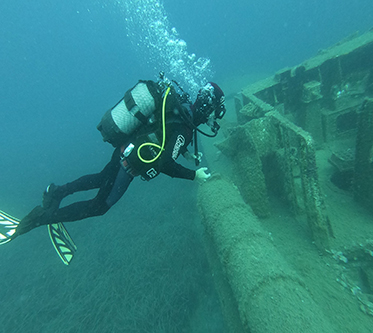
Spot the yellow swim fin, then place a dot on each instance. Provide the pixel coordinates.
(62, 242)
(8, 226)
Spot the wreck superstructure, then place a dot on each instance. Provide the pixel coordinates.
(305, 137)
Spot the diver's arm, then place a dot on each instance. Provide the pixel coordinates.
(192, 157)
(177, 142)
(176, 170)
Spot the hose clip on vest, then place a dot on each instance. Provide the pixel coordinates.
(128, 150)
(123, 159)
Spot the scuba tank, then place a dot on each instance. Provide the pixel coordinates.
(134, 110)
(137, 109)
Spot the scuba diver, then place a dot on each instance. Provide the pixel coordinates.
(150, 127)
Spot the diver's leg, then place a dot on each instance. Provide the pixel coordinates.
(106, 197)
(35, 218)
(111, 191)
(54, 194)
(48, 215)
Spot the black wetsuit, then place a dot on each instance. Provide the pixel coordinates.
(114, 180)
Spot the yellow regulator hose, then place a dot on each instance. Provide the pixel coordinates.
(161, 148)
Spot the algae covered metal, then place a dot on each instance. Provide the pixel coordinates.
(304, 140)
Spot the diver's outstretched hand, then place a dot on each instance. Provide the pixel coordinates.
(202, 175)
